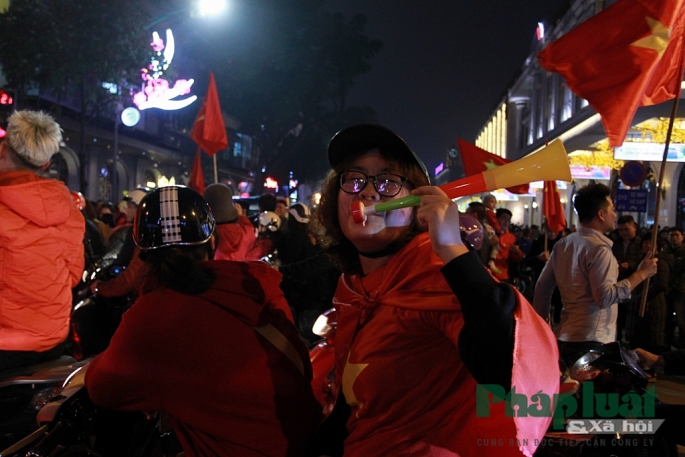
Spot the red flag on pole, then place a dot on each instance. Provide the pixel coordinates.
(477, 160)
(628, 55)
(197, 177)
(552, 208)
(209, 131)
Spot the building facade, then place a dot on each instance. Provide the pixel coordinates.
(539, 108)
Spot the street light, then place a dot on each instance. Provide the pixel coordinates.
(200, 7)
(129, 117)
(211, 7)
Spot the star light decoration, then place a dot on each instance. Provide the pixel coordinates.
(157, 92)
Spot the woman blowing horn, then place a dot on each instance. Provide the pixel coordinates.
(421, 322)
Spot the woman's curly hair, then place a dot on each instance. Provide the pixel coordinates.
(326, 226)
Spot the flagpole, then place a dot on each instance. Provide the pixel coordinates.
(655, 229)
(216, 173)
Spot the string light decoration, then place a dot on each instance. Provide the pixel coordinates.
(602, 156)
(655, 131)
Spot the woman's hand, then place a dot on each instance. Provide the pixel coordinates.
(441, 216)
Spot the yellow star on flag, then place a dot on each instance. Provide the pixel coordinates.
(350, 374)
(490, 165)
(657, 40)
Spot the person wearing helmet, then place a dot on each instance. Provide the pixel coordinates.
(41, 244)
(297, 245)
(268, 238)
(234, 232)
(129, 204)
(211, 343)
(415, 302)
(309, 279)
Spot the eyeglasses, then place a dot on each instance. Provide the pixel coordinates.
(386, 184)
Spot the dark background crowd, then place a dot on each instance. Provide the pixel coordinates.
(526, 249)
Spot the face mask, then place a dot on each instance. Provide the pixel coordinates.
(108, 218)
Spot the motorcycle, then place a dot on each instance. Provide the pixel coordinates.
(94, 318)
(322, 356)
(610, 370)
(24, 390)
(69, 424)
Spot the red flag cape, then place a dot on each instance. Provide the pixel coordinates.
(197, 177)
(209, 131)
(411, 284)
(477, 160)
(552, 208)
(628, 55)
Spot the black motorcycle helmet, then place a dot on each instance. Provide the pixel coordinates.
(172, 216)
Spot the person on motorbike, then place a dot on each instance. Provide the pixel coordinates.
(671, 362)
(235, 233)
(420, 319)
(268, 238)
(41, 244)
(209, 342)
(130, 280)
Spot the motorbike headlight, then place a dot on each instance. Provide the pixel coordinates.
(321, 327)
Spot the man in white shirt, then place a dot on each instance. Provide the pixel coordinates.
(584, 269)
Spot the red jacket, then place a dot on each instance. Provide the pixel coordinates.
(204, 360)
(235, 240)
(41, 259)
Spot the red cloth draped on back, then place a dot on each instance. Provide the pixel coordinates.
(398, 362)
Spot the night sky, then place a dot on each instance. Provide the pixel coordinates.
(445, 64)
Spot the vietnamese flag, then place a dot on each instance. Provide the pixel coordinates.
(197, 177)
(477, 160)
(552, 208)
(209, 131)
(628, 55)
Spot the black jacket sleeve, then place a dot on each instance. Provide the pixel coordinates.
(486, 342)
(675, 362)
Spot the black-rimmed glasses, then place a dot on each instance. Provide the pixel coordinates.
(386, 184)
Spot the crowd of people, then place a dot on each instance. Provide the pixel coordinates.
(519, 254)
(660, 327)
(218, 339)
